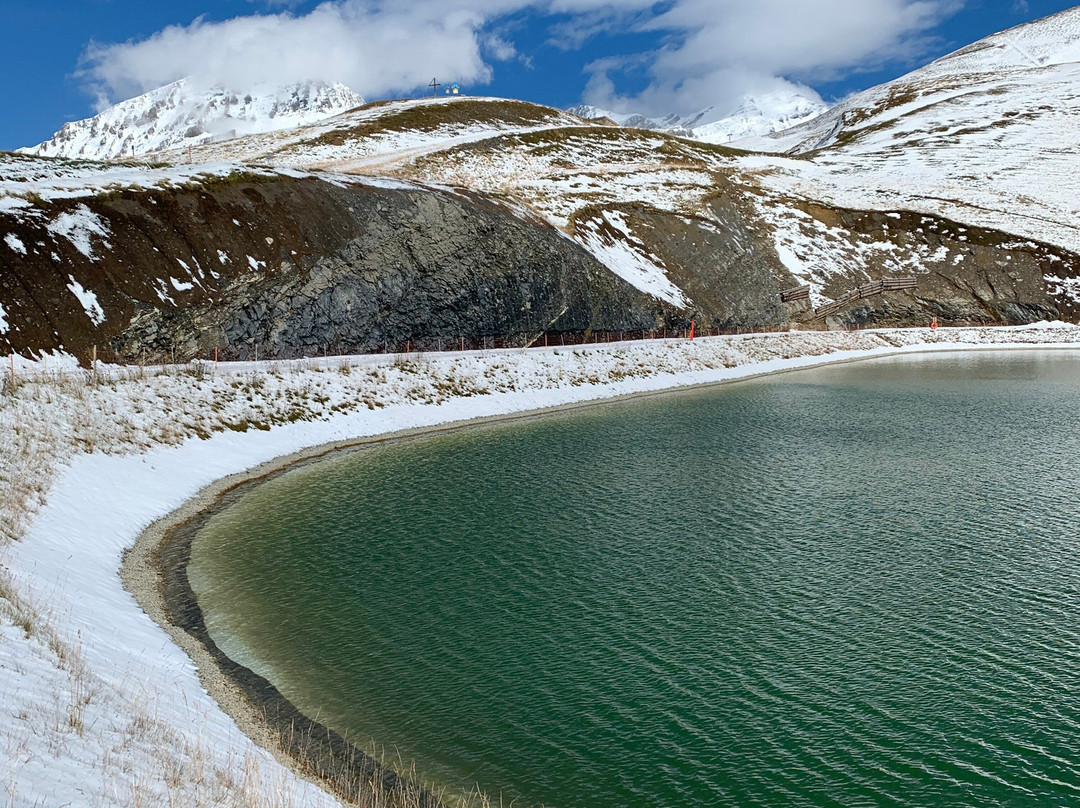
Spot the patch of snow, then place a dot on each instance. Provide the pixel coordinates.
(77, 226)
(163, 292)
(88, 300)
(223, 257)
(790, 260)
(15, 243)
(627, 258)
(8, 203)
(1068, 288)
(389, 184)
(4, 327)
(181, 286)
(255, 265)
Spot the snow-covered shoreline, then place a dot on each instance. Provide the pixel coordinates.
(100, 706)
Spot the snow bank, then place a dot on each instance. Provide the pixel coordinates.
(99, 707)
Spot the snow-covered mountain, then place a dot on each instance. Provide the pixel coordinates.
(182, 114)
(990, 84)
(757, 115)
(761, 115)
(680, 124)
(986, 136)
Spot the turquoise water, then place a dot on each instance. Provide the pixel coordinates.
(850, 586)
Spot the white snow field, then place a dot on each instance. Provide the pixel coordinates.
(97, 706)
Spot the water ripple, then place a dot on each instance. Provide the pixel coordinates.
(853, 586)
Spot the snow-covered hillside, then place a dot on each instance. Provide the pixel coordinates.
(756, 115)
(384, 135)
(182, 114)
(985, 136)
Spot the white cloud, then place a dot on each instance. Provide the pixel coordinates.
(706, 52)
(375, 49)
(719, 50)
(278, 3)
(500, 48)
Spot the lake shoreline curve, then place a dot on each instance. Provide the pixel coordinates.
(154, 572)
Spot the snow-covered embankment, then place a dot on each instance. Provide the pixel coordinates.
(97, 705)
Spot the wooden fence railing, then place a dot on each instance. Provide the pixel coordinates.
(867, 290)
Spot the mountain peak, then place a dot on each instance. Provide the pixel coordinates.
(184, 114)
(756, 115)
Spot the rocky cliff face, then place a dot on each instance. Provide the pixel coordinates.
(298, 267)
(965, 275)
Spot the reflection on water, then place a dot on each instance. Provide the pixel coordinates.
(855, 585)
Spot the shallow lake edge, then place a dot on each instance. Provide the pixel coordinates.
(154, 571)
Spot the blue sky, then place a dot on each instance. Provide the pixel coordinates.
(62, 59)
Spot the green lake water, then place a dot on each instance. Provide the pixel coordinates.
(858, 585)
